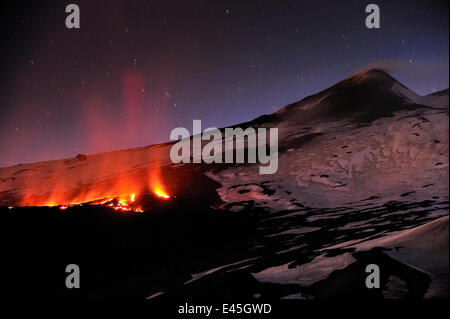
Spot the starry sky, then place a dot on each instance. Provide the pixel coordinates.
(137, 69)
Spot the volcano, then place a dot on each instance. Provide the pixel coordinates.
(362, 179)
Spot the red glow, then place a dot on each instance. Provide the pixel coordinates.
(162, 194)
(155, 182)
(116, 196)
(123, 203)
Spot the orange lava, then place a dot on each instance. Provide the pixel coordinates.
(156, 185)
(161, 194)
(120, 192)
(123, 203)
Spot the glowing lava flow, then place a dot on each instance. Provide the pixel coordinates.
(121, 204)
(162, 194)
(117, 203)
(124, 203)
(156, 185)
(124, 195)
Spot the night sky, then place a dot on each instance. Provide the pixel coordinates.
(137, 69)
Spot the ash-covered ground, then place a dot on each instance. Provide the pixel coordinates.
(362, 179)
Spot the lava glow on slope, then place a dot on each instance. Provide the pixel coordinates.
(123, 203)
(162, 194)
(124, 193)
(156, 184)
(159, 190)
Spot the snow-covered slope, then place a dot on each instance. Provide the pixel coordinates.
(366, 139)
(367, 158)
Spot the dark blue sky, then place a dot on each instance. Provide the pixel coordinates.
(137, 69)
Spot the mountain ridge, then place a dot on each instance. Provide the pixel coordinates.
(365, 95)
